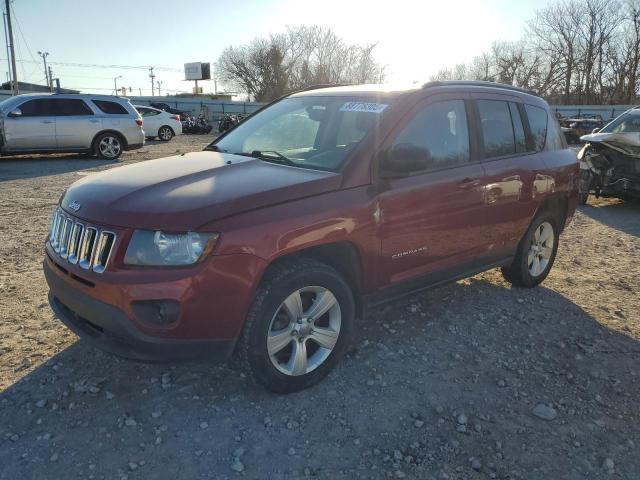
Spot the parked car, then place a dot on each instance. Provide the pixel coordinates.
(317, 208)
(575, 127)
(169, 109)
(53, 123)
(610, 159)
(158, 123)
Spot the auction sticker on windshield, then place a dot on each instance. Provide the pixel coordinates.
(363, 107)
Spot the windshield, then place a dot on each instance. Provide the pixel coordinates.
(625, 123)
(311, 132)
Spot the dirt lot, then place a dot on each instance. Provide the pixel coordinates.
(474, 380)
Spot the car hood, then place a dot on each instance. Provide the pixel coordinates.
(184, 192)
(627, 143)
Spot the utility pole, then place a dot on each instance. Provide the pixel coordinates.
(159, 86)
(44, 56)
(152, 77)
(16, 90)
(6, 42)
(50, 80)
(140, 91)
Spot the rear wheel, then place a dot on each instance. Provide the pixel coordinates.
(298, 326)
(165, 133)
(536, 252)
(108, 145)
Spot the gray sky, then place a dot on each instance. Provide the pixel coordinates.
(415, 38)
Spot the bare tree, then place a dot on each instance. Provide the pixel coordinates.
(302, 56)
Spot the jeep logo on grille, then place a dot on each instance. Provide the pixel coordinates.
(75, 206)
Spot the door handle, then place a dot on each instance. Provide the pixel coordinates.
(468, 183)
(94, 121)
(47, 121)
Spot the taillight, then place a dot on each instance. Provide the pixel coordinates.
(175, 117)
(139, 122)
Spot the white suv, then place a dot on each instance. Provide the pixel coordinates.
(52, 123)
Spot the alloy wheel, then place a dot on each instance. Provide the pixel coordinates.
(109, 147)
(165, 134)
(304, 330)
(541, 249)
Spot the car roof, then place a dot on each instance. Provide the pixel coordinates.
(90, 96)
(391, 90)
(355, 90)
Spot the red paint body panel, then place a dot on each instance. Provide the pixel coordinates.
(401, 228)
(214, 295)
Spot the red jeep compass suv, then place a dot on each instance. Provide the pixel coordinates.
(272, 240)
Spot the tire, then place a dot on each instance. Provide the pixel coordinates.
(108, 146)
(165, 133)
(525, 272)
(295, 360)
(586, 179)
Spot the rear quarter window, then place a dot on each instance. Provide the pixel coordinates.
(538, 123)
(111, 108)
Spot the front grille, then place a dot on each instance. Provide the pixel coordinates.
(78, 243)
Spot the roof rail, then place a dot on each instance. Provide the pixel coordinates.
(476, 83)
(323, 85)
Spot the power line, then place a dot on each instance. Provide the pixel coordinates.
(98, 65)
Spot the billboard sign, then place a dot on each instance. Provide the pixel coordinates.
(197, 71)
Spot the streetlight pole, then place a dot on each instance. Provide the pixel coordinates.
(44, 56)
(152, 77)
(115, 85)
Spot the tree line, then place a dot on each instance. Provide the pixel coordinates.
(573, 52)
(270, 67)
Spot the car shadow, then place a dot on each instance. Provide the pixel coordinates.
(475, 346)
(623, 215)
(16, 168)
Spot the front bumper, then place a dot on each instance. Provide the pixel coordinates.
(109, 328)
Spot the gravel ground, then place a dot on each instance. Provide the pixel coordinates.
(473, 380)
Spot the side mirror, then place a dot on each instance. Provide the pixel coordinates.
(15, 113)
(595, 130)
(404, 159)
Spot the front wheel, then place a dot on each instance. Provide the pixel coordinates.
(298, 326)
(586, 179)
(536, 252)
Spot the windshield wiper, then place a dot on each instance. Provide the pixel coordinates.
(264, 155)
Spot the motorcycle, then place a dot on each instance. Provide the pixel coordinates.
(196, 126)
(229, 121)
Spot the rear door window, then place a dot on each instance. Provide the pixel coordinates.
(538, 119)
(147, 112)
(111, 108)
(41, 107)
(70, 107)
(497, 128)
(518, 128)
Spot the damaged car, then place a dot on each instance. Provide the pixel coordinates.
(610, 159)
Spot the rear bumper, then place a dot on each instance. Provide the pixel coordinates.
(110, 329)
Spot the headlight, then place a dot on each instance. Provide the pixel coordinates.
(157, 248)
